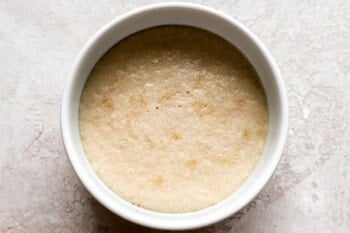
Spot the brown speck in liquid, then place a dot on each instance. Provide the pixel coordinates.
(139, 100)
(150, 143)
(164, 98)
(202, 108)
(107, 103)
(225, 159)
(158, 181)
(198, 81)
(192, 164)
(143, 100)
(246, 133)
(175, 135)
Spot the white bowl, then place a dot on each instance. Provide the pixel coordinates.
(176, 14)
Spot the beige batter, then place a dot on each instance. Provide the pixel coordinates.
(173, 119)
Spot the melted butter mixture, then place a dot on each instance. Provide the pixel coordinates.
(173, 119)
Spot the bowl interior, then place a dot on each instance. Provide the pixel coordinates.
(176, 14)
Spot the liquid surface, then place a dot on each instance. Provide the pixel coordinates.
(173, 119)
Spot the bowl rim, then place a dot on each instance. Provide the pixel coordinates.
(151, 221)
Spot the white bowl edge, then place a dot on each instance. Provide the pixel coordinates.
(153, 219)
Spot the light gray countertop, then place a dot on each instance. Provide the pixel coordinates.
(39, 191)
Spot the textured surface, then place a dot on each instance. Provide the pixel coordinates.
(310, 41)
(173, 119)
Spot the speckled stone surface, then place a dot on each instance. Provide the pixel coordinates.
(39, 191)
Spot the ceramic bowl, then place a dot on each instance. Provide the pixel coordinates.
(176, 14)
